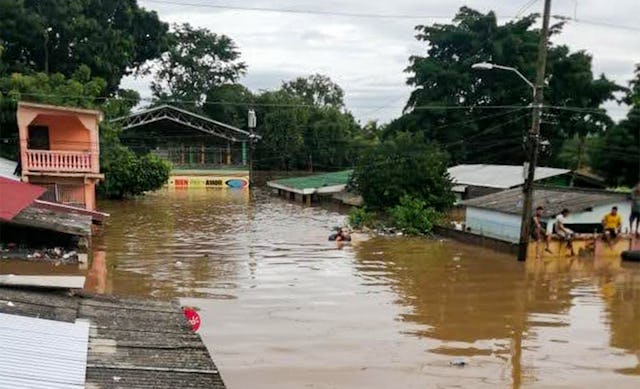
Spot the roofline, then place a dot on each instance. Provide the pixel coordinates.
(619, 195)
(152, 109)
(61, 108)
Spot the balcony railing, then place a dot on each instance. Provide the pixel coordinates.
(58, 161)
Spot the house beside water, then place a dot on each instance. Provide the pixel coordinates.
(498, 215)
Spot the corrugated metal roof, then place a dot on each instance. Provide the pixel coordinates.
(552, 199)
(16, 196)
(39, 353)
(497, 176)
(7, 167)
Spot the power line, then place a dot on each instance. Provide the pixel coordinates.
(374, 15)
(300, 11)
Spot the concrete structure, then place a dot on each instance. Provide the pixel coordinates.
(203, 152)
(59, 150)
(470, 181)
(498, 215)
(304, 189)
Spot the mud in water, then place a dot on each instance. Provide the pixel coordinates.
(282, 307)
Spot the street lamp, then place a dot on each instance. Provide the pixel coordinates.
(532, 151)
(491, 66)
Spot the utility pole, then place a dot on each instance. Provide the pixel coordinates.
(46, 49)
(251, 121)
(533, 139)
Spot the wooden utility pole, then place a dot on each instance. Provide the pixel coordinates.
(533, 139)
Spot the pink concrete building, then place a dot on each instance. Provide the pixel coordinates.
(60, 150)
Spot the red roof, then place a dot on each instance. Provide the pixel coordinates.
(16, 196)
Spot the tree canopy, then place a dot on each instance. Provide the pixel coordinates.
(111, 38)
(616, 156)
(480, 115)
(196, 62)
(404, 165)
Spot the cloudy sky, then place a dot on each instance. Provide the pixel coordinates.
(367, 55)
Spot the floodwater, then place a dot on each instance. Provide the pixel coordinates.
(282, 307)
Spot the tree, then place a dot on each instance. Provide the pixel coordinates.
(228, 104)
(405, 165)
(112, 38)
(455, 105)
(617, 154)
(196, 62)
(316, 89)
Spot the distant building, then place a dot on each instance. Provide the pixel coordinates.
(498, 214)
(470, 181)
(203, 152)
(59, 150)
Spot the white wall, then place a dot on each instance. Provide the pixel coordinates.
(494, 224)
(507, 226)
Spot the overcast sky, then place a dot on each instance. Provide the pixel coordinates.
(367, 56)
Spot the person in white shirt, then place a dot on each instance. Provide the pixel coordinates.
(563, 231)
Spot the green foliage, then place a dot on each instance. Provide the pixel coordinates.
(361, 217)
(616, 156)
(300, 131)
(112, 38)
(129, 175)
(316, 89)
(444, 77)
(404, 165)
(413, 216)
(197, 61)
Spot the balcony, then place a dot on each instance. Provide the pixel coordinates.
(59, 161)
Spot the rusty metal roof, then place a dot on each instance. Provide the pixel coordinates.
(16, 196)
(553, 199)
(40, 353)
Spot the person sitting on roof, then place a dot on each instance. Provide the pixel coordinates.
(564, 232)
(611, 224)
(539, 229)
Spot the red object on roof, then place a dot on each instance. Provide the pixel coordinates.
(16, 196)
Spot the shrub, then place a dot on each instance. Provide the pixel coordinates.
(129, 175)
(404, 165)
(413, 216)
(360, 217)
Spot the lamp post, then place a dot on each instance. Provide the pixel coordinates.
(533, 139)
(532, 151)
(251, 122)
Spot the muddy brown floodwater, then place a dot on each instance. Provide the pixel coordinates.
(282, 307)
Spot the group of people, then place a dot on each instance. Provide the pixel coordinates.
(611, 224)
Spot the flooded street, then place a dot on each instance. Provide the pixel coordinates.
(282, 307)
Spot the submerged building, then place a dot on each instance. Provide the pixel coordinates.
(203, 152)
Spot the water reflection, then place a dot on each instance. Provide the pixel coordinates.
(284, 308)
(572, 320)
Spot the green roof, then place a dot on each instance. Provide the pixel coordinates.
(316, 181)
